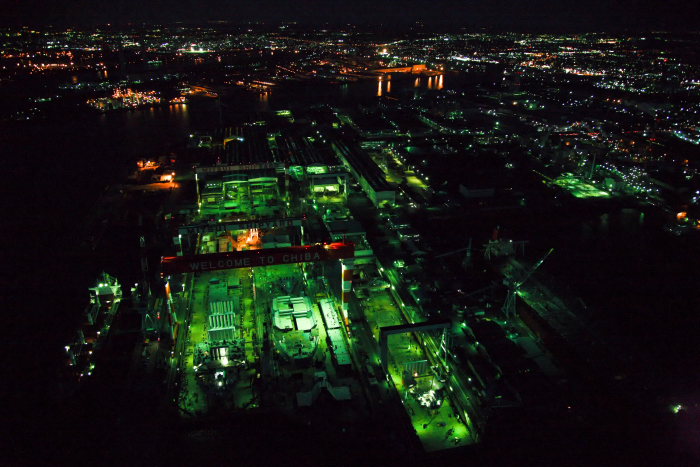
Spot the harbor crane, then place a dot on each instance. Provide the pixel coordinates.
(493, 249)
(497, 246)
(514, 286)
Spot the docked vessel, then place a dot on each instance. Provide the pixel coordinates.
(97, 319)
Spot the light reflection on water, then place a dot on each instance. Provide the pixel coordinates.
(362, 91)
(264, 100)
(179, 119)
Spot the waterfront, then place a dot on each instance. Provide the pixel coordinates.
(56, 172)
(608, 254)
(638, 284)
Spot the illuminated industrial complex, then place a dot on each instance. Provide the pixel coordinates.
(262, 310)
(345, 243)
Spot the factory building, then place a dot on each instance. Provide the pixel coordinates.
(367, 173)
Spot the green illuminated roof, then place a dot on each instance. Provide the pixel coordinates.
(580, 188)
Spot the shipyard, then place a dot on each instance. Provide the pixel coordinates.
(343, 250)
(291, 287)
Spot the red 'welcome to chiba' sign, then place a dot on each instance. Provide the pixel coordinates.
(256, 258)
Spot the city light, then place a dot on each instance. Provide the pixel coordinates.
(297, 160)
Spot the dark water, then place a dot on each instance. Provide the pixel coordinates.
(360, 92)
(53, 174)
(638, 283)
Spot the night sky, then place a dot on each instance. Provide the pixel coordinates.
(523, 15)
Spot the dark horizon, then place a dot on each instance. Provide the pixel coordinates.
(499, 15)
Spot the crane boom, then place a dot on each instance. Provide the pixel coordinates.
(509, 304)
(478, 291)
(534, 268)
(466, 248)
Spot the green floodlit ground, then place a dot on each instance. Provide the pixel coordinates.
(580, 188)
(433, 426)
(414, 181)
(401, 172)
(271, 382)
(437, 429)
(381, 310)
(193, 399)
(257, 288)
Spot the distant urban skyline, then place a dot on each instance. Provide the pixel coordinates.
(328, 233)
(536, 15)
